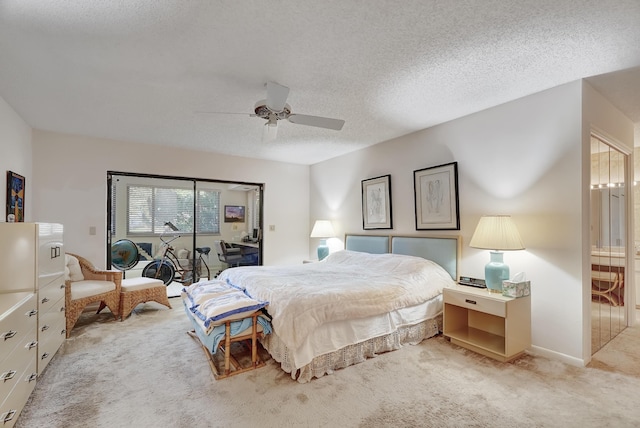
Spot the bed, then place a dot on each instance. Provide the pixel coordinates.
(389, 287)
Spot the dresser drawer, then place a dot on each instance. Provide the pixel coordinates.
(12, 368)
(49, 344)
(16, 325)
(45, 281)
(49, 322)
(12, 406)
(50, 296)
(476, 302)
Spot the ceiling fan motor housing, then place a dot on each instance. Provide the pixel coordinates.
(265, 112)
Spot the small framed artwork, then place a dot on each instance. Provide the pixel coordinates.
(15, 197)
(436, 197)
(376, 203)
(234, 214)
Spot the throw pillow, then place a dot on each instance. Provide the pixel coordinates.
(72, 270)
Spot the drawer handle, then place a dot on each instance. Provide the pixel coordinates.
(44, 356)
(32, 312)
(6, 417)
(8, 375)
(31, 345)
(62, 286)
(33, 377)
(44, 328)
(473, 302)
(63, 331)
(9, 334)
(45, 300)
(62, 309)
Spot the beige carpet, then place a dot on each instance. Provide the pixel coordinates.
(146, 372)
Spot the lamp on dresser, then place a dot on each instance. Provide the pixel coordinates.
(322, 229)
(497, 233)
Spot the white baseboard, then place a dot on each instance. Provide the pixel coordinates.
(553, 355)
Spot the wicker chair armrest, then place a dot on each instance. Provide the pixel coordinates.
(90, 272)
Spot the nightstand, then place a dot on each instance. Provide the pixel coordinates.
(487, 323)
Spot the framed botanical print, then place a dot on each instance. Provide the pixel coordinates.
(376, 203)
(436, 197)
(15, 197)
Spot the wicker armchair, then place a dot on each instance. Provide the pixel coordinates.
(91, 286)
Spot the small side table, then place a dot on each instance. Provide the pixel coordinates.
(487, 323)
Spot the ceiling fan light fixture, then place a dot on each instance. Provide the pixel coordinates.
(272, 120)
(270, 130)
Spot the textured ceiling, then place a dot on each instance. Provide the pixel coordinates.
(156, 71)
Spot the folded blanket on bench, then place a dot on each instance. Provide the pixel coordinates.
(212, 336)
(214, 302)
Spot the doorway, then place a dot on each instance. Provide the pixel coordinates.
(609, 270)
(149, 210)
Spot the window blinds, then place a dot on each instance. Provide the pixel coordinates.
(150, 207)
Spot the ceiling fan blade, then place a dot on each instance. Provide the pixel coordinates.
(320, 122)
(276, 96)
(220, 112)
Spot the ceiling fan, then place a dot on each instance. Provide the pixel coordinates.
(275, 108)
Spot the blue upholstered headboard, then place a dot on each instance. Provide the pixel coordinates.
(373, 244)
(444, 250)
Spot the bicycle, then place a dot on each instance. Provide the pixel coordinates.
(166, 267)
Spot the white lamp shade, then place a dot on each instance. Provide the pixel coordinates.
(496, 232)
(322, 229)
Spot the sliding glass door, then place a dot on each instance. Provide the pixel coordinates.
(174, 223)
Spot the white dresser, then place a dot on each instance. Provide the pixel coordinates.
(31, 309)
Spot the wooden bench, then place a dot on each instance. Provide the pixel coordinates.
(225, 363)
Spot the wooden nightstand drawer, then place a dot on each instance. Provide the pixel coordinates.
(475, 302)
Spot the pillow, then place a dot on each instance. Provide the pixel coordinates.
(227, 307)
(183, 253)
(72, 270)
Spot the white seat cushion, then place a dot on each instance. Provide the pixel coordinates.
(142, 283)
(89, 287)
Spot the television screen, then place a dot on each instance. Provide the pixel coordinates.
(234, 214)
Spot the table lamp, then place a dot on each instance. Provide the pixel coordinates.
(497, 233)
(322, 229)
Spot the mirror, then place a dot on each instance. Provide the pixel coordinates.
(175, 223)
(608, 236)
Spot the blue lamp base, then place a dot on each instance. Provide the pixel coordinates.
(495, 272)
(323, 250)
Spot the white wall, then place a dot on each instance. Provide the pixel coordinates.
(522, 158)
(69, 187)
(15, 146)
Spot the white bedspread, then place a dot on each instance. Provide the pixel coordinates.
(346, 285)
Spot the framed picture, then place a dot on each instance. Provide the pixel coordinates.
(436, 197)
(234, 214)
(15, 197)
(376, 203)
